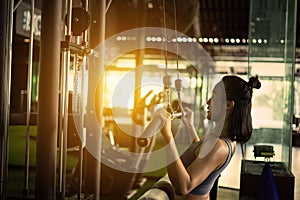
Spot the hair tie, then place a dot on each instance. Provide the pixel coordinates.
(254, 83)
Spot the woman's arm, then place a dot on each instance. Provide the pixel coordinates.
(188, 120)
(184, 180)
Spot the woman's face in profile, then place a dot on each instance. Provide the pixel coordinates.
(216, 105)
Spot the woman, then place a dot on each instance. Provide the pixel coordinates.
(194, 173)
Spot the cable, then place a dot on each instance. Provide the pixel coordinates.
(165, 38)
(178, 81)
(167, 79)
(176, 36)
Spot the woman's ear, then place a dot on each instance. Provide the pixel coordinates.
(230, 105)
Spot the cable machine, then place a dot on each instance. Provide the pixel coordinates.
(76, 106)
(73, 53)
(75, 48)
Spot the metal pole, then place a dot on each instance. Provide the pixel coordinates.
(100, 94)
(64, 105)
(17, 5)
(48, 100)
(66, 95)
(60, 130)
(29, 83)
(61, 109)
(101, 105)
(82, 106)
(65, 122)
(6, 35)
(92, 177)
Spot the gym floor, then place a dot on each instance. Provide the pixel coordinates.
(228, 184)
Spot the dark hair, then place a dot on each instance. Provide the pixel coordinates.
(239, 120)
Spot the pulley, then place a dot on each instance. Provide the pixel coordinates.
(80, 21)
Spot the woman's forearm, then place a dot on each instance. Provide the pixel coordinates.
(193, 133)
(177, 172)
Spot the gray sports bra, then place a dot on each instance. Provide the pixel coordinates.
(189, 156)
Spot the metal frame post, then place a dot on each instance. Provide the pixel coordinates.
(92, 177)
(100, 93)
(6, 35)
(46, 144)
(82, 107)
(64, 105)
(28, 110)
